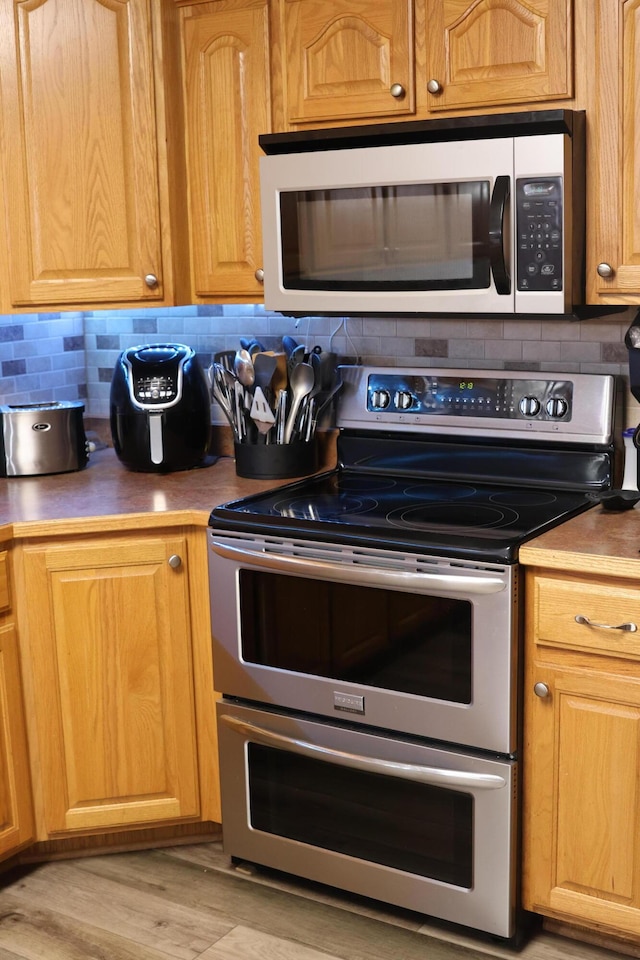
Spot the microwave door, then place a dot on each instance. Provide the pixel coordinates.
(412, 228)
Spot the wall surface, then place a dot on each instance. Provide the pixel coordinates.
(70, 356)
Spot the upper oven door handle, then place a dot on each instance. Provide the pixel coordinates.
(436, 776)
(480, 582)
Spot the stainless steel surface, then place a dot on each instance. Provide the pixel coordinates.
(389, 768)
(488, 904)
(628, 627)
(43, 438)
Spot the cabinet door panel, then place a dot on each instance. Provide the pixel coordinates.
(227, 107)
(16, 814)
(344, 58)
(79, 150)
(483, 53)
(111, 656)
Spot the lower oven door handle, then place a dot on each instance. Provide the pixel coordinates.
(436, 776)
(362, 574)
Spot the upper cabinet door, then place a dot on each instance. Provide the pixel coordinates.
(348, 59)
(486, 52)
(227, 106)
(613, 264)
(79, 151)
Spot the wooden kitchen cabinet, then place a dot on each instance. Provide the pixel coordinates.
(582, 752)
(16, 808)
(481, 53)
(118, 681)
(613, 263)
(83, 159)
(227, 105)
(349, 59)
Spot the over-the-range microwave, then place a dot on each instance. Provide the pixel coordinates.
(473, 215)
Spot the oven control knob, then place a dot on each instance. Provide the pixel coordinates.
(529, 406)
(380, 399)
(403, 400)
(557, 407)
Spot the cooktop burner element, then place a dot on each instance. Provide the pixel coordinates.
(460, 466)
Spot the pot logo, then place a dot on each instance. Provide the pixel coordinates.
(41, 427)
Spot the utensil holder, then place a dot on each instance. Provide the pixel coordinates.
(275, 461)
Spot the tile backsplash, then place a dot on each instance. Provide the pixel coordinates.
(69, 356)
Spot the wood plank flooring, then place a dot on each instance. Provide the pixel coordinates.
(191, 903)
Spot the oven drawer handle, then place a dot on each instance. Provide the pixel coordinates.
(362, 574)
(405, 771)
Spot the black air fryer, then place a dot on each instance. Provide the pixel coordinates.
(160, 408)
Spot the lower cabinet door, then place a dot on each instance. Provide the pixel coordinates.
(109, 649)
(16, 810)
(582, 804)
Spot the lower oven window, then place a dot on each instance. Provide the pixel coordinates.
(399, 641)
(409, 826)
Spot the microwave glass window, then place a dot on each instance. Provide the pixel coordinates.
(422, 236)
(356, 813)
(414, 644)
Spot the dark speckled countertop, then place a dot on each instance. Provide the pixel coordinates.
(105, 495)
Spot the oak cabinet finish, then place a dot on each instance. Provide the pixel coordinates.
(16, 809)
(80, 153)
(227, 106)
(613, 268)
(347, 60)
(582, 751)
(483, 53)
(120, 687)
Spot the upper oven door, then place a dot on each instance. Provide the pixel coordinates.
(415, 227)
(416, 644)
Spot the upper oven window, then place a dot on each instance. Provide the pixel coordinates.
(397, 641)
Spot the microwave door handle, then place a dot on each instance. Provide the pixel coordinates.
(437, 776)
(497, 213)
(361, 574)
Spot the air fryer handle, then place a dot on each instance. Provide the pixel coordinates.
(497, 209)
(156, 451)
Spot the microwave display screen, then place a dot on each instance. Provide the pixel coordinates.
(427, 236)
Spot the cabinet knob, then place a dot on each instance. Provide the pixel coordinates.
(259, 275)
(434, 86)
(541, 690)
(397, 90)
(175, 561)
(151, 280)
(605, 270)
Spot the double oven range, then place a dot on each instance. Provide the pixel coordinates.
(367, 635)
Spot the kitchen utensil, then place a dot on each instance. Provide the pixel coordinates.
(301, 381)
(288, 345)
(295, 357)
(264, 365)
(261, 413)
(243, 368)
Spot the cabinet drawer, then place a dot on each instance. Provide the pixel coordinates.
(557, 603)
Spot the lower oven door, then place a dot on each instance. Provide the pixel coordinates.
(425, 828)
(408, 642)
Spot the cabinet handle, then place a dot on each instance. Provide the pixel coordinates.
(259, 275)
(397, 90)
(151, 280)
(434, 86)
(541, 690)
(175, 561)
(629, 627)
(605, 270)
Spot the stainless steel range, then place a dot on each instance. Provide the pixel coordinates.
(367, 634)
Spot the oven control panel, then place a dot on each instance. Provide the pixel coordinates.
(510, 404)
(470, 396)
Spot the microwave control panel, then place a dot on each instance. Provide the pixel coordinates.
(539, 233)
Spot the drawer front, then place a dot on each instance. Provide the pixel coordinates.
(608, 616)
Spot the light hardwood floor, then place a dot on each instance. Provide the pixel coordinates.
(190, 902)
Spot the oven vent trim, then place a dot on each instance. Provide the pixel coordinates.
(356, 556)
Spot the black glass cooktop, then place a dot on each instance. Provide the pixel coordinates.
(445, 517)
